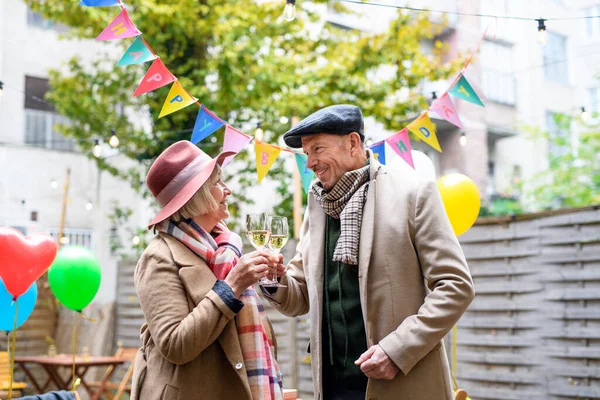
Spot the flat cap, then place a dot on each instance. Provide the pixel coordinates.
(340, 119)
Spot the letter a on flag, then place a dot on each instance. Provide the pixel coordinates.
(400, 143)
(378, 150)
(137, 53)
(157, 76)
(119, 28)
(266, 155)
(463, 90)
(445, 109)
(306, 174)
(177, 99)
(424, 128)
(99, 3)
(206, 123)
(234, 141)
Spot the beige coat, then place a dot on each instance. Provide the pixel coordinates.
(191, 348)
(413, 277)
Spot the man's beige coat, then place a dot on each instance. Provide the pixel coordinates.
(414, 283)
(190, 345)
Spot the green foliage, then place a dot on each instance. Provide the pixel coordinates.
(247, 65)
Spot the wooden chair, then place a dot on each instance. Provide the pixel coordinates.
(17, 387)
(126, 353)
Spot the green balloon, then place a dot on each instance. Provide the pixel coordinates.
(74, 277)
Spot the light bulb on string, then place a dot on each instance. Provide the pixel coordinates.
(89, 206)
(1, 88)
(542, 33)
(289, 13)
(585, 116)
(64, 240)
(53, 184)
(258, 133)
(135, 240)
(463, 139)
(433, 95)
(97, 148)
(114, 140)
(284, 120)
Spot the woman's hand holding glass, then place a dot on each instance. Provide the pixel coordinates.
(250, 268)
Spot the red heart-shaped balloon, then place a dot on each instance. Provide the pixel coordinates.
(23, 259)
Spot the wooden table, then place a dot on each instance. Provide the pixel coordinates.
(53, 365)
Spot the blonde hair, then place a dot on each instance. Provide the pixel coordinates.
(202, 202)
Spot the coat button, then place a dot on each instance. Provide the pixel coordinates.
(239, 365)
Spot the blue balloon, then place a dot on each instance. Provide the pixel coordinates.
(8, 308)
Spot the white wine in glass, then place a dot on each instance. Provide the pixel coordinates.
(279, 237)
(258, 235)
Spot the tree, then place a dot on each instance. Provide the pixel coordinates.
(247, 65)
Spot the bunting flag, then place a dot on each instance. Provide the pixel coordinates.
(306, 174)
(234, 141)
(206, 123)
(378, 150)
(137, 53)
(121, 27)
(444, 107)
(177, 99)
(157, 76)
(99, 3)
(463, 90)
(424, 128)
(266, 155)
(475, 88)
(400, 143)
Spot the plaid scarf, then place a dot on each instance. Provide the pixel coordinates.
(345, 201)
(221, 250)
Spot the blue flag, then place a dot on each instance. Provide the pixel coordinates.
(99, 3)
(378, 150)
(206, 124)
(137, 53)
(306, 174)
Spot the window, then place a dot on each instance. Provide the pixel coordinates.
(558, 143)
(555, 59)
(78, 237)
(40, 119)
(497, 79)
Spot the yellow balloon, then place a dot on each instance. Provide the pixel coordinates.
(461, 201)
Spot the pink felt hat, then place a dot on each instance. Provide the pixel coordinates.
(177, 174)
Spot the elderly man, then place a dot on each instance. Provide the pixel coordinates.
(378, 267)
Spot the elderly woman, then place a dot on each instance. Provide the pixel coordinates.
(206, 335)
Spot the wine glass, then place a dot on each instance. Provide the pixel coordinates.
(258, 235)
(279, 237)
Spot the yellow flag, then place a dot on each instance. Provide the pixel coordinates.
(266, 155)
(177, 99)
(425, 129)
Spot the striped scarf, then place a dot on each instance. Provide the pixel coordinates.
(221, 250)
(345, 201)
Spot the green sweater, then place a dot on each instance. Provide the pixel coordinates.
(343, 334)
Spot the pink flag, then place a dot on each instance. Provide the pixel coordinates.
(234, 141)
(119, 28)
(401, 145)
(445, 109)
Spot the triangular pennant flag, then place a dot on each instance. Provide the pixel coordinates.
(157, 76)
(307, 175)
(424, 128)
(99, 3)
(400, 143)
(234, 141)
(177, 99)
(206, 123)
(137, 53)
(444, 107)
(475, 88)
(119, 28)
(463, 90)
(378, 150)
(266, 155)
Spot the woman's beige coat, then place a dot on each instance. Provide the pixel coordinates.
(414, 283)
(191, 348)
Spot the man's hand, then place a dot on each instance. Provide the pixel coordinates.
(375, 364)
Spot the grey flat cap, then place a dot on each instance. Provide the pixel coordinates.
(340, 119)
